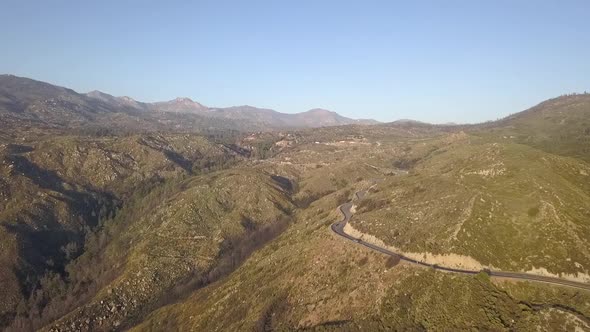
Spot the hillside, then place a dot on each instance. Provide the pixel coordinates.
(559, 126)
(189, 238)
(55, 193)
(231, 231)
(472, 204)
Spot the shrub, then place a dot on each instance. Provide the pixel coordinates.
(371, 204)
(392, 261)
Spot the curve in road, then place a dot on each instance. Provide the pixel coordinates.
(338, 228)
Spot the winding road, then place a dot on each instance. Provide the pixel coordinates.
(338, 228)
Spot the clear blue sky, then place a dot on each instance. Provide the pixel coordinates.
(437, 61)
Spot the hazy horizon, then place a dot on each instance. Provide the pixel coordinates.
(462, 63)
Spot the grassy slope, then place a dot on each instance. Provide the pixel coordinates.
(507, 205)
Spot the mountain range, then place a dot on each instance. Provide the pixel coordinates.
(40, 102)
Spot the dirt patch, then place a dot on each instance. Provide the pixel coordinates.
(580, 277)
(464, 217)
(447, 260)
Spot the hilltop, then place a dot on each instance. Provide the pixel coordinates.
(560, 126)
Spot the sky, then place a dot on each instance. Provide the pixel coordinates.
(435, 61)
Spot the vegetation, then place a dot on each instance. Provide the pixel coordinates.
(346, 287)
(145, 226)
(489, 200)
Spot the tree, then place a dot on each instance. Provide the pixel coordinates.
(70, 250)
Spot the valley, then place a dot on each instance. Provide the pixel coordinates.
(117, 215)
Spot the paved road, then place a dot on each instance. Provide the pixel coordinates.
(338, 228)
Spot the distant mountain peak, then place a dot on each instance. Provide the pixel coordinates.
(184, 100)
(320, 111)
(180, 104)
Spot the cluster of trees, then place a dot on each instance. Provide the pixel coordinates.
(60, 291)
(227, 136)
(371, 204)
(263, 149)
(339, 183)
(217, 135)
(575, 94)
(405, 164)
(213, 163)
(56, 294)
(103, 131)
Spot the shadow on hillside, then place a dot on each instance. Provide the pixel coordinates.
(18, 149)
(88, 205)
(157, 144)
(233, 253)
(42, 230)
(284, 183)
(179, 160)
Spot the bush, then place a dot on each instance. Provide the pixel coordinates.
(363, 261)
(371, 204)
(392, 261)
